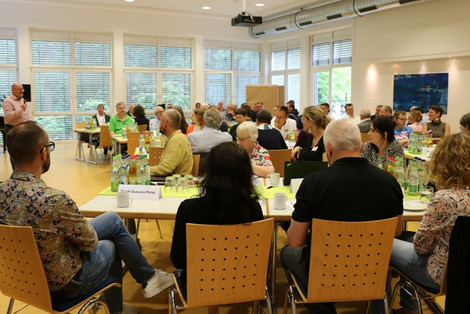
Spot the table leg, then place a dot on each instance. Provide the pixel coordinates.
(272, 278)
(79, 154)
(90, 141)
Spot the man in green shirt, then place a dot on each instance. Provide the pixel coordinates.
(119, 120)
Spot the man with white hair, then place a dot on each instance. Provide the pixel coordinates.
(364, 125)
(155, 123)
(203, 141)
(334, 194)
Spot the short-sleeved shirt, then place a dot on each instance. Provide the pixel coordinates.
(260, 156)
(401, 134)
(116, 125)
(350, 190)
(60, 230)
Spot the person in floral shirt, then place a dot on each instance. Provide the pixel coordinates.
(425, 258)
(76, 254)
(247, 134)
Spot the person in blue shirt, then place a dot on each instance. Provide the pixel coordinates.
(402, 131)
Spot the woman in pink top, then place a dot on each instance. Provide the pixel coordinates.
(414, 119)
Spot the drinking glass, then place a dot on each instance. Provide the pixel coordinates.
(425, 193)
(169, 182)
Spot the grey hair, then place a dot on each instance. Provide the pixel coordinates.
(213, 118)
(365, 112)
(465, 120)
(173, 117)
(120, 103)
(249, 128)
(343, 135)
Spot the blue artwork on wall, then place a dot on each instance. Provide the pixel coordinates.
(422, 90)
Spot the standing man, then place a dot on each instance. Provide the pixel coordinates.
(155, 123)
(176, 156)
(332, 194)
(76, 254)
(15, 107)
(283, 123)
(119, 120)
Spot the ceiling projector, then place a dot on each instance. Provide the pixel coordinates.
(246, 19)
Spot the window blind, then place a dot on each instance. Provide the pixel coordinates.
(176, 89)
(175, 57)
(278, 60)
(217, 59)
(92, 54)
(51, 52)
(140, 56)
(240, 86)
(141, 88)
(58, 127)
(293, 58)
(52, 91)
(321, 54)
(246, 60)
(293, 88)
(342, 51)
(92, 89)
(218, 88)
(7, 51)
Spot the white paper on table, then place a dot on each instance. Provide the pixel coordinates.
(142, 192)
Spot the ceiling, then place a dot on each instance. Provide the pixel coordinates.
(218, 8)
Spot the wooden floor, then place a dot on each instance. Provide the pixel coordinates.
(83, 181)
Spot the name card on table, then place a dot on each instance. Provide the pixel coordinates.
(142, 192)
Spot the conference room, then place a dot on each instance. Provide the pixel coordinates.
(67, 83)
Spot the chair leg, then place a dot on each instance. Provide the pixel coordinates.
(269, 305)
(10, 305)
(159, 229)
(94, 306)
(172, 302)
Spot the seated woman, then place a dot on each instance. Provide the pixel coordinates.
(140, 119)
(465, 123)
(436, 127)
(184, 123)
(314, 121)
(382, 142)
(196, 118)
(247, 134)
(423, 258)
(414, 119)
(227, 197)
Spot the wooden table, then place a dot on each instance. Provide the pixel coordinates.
(79, 153)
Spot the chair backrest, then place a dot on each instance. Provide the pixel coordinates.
(21, 272)
(349, 260)
(80, 125)
(364, 137)
(278, 157)
(132, 142)
(227, 263)
(142, 127)
(105, 137)
(196, 160)
(154, 155)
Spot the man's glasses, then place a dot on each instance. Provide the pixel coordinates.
(51, 146)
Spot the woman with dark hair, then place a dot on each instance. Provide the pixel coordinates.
(184, 124)
(382, 142)
(140, 119)
(436, 127)
(227, 197)
(423, 255)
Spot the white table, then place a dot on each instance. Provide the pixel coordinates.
(79, 153)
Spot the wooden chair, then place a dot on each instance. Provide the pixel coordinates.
(349, 261)
(154, 155)
(142, 127)
(364, 137)
(226, 264)
(278, 157)
(105, 141)
(22, 275)
(196, 160)
(80, 125)
(132, 142)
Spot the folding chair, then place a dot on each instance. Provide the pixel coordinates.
(22, 275)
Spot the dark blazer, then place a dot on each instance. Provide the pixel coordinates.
(364, 125)
(106, 117)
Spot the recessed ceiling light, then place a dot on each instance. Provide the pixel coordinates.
(206, 8)
(260, 4)
(129, 0)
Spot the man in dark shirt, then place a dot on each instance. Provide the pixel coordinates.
(268, 137)
(336, 193)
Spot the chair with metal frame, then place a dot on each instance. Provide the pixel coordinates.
(225, 264)
(278, 157)
(22, 275)
(349, 261)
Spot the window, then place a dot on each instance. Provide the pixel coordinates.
(158, 70)
(72, 74)
(229, 67)
(331, 68)
(7, 63)
(285, 68)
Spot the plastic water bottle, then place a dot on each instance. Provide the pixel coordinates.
(124, 132)
(141, 171)
(422, 173)
(413, 180)
(379, 163)
(123, 170)
(132, 173)
(400, 174)
(115, 179)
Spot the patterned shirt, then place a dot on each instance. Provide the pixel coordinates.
(433, 234)
(260, 156)
(394, 150)
(60, 230)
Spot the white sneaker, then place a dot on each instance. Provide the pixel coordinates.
(129, 309)
(159, 282)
